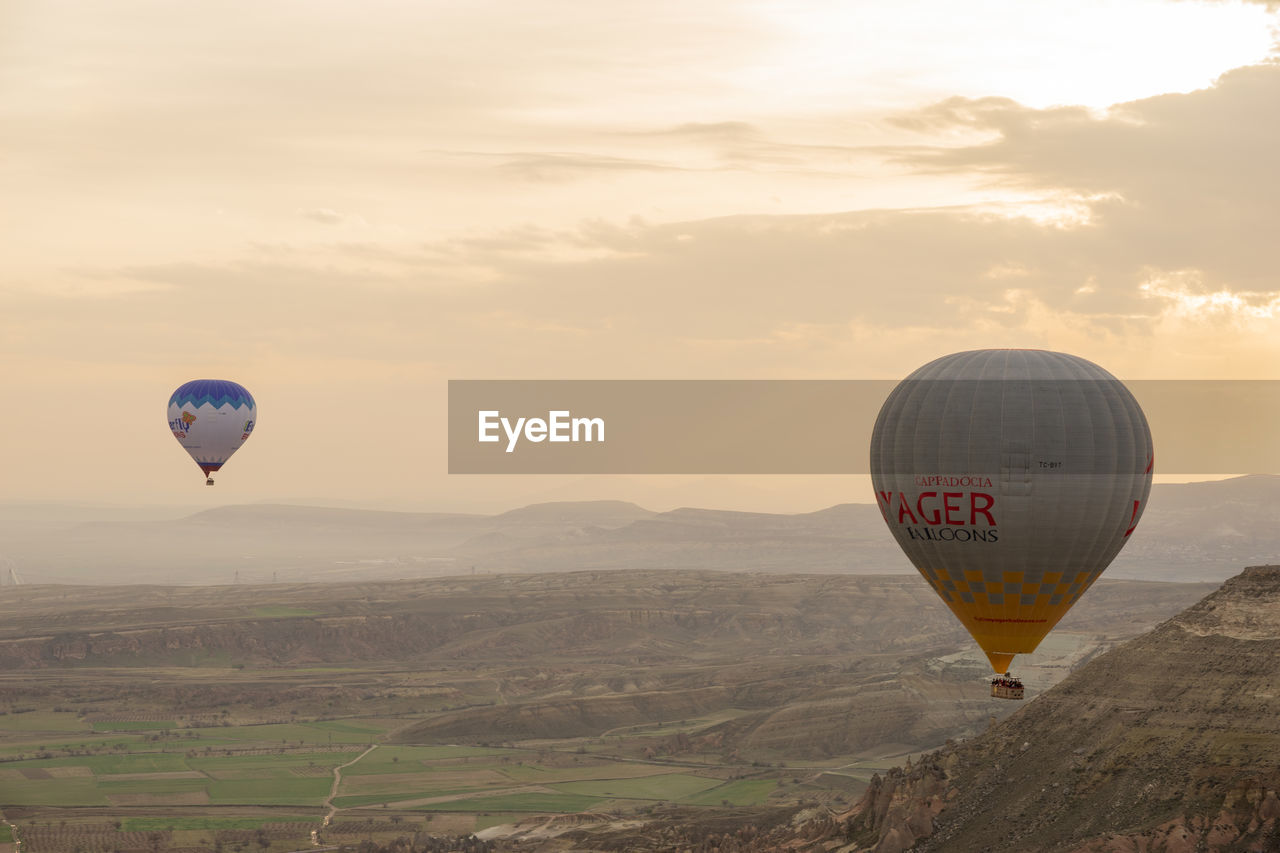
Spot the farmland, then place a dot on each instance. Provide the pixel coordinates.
(67, 788)
(237, 717)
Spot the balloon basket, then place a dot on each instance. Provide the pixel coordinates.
(1007, 687)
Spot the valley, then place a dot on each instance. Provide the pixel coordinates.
(514, 706)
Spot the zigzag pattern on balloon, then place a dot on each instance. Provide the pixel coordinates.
(216, 402)
(213, 392)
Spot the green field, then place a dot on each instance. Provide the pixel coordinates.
(540, 775)
(158, 824)
(286, 733)
(291, 764)
(559, 803)
(110, 764)
(138, 778)
(47, 721)
(54, 792)
(143, 786)
(288, 792)
(674, 787)
(362, 727)
(251, 767)
(215, 763)
(132, 725)
(206, 744)
(352, 802)
(743, 792)
(46, 744)
(405, 759)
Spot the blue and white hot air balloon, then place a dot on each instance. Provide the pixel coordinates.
(211, 418)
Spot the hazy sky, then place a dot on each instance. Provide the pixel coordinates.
(343, 205)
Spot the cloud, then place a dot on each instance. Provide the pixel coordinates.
(1179, 181)
(736, 296)
(548, 166)
(707, 153)
(717, 130)
(1179, 191)
(729, 149)
(323, 215)
(1186, 295)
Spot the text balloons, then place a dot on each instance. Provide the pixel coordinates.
(211, 418)
(1011, 479)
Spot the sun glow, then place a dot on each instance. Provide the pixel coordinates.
(1093, 53)
(1186, 302)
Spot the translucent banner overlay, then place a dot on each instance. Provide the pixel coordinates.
(798, 426)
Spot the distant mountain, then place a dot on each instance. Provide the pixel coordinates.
(846, 539)
(1190, 532)
(1205, 531)
(575, 513)
(280, 517)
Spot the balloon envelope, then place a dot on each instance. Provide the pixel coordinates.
(1011, 479)
(211, 418)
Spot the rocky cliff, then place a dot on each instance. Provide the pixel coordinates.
(1169, 743)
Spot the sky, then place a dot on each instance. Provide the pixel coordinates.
(343, 206)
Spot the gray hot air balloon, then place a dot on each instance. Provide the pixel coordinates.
(1011, 479)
